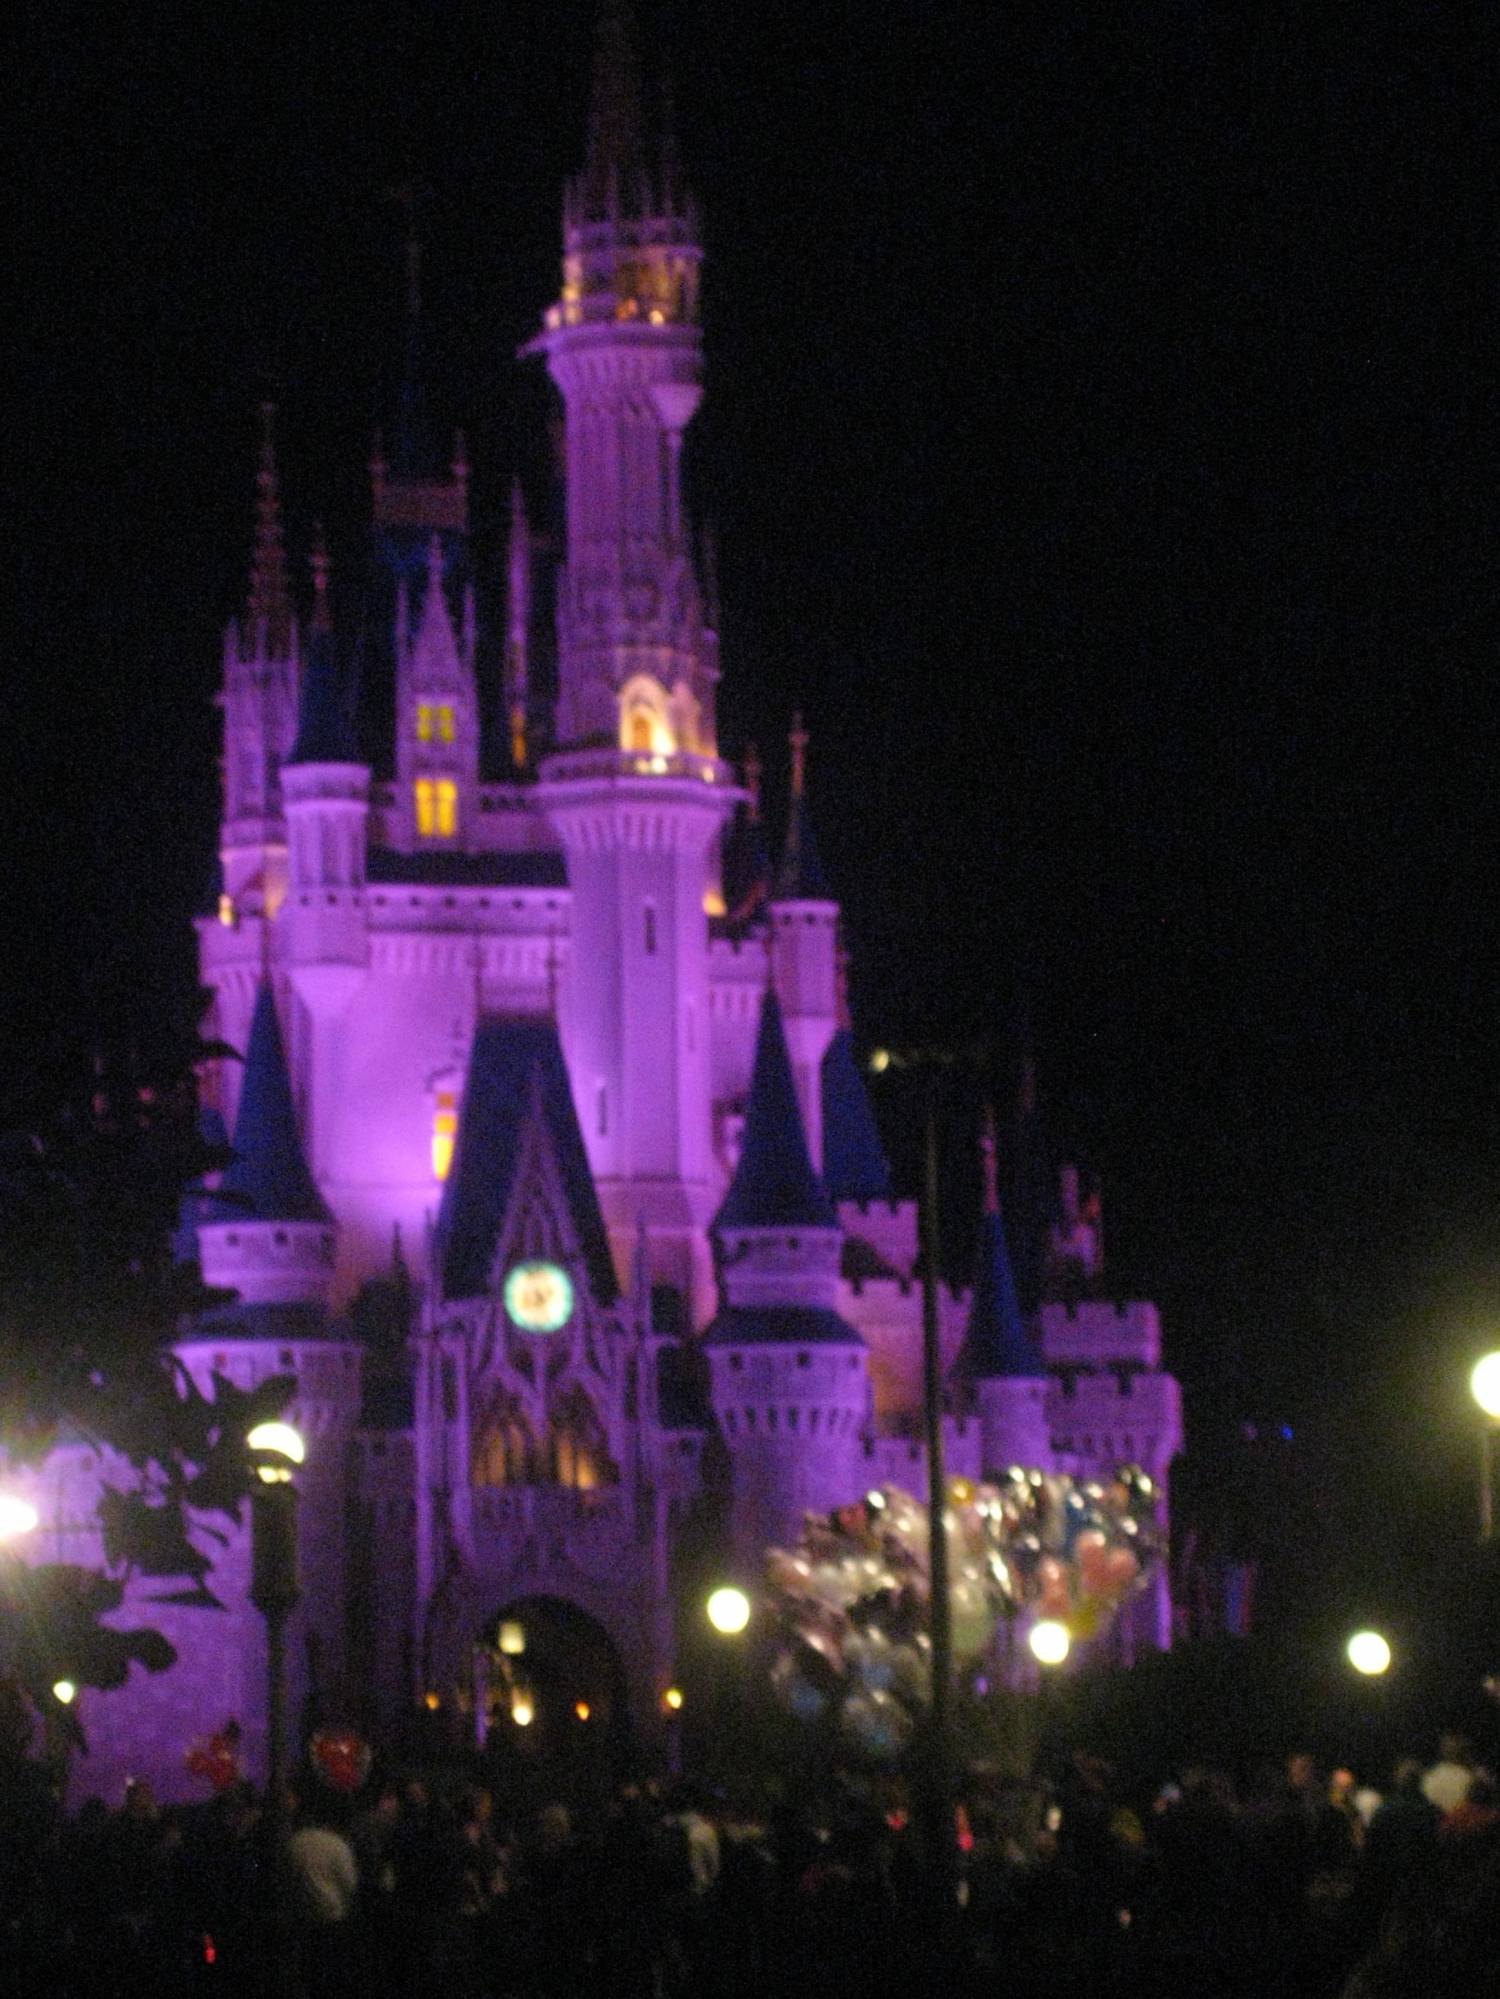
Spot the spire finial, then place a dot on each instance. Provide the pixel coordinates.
(798, 738)
(989, 1161)
(752, 779)
(269, 603)
(322, 619)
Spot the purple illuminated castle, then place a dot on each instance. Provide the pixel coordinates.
(556, 1181)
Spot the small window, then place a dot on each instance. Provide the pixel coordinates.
(804, 1360)
(436, 800)
(444, 1133)
(602, 1108)
(649, 919)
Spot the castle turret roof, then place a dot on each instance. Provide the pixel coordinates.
(325, 730)
(268, 1179)
(996, 1342)
(800, 878)
(516, 1075)
(775, 1184)
(855, 1167)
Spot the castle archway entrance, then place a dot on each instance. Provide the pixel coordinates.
(550, 1701)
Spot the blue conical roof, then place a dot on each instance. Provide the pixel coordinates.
(996, 1343)
(800, 878)
(516, 1072)
(855, 1167)
(267, 1180)
(325, 733)
(775, 1184)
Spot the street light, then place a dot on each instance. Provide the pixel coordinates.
(64, 1692)
(17, 1516)
(276, 1450)
(1368, 1653)
(1050, 1642)
(1484, 1386)
(728, 1610)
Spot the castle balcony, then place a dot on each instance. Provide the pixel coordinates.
(568, 766)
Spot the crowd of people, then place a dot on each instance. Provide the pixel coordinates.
(1294, 1882)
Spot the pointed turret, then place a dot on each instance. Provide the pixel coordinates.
(807, 1374)
(268, 625)
(855, 1167)
(999, 1358)
(746, 866)
(268, 1179)
(269, 1235)
(325, 733)
(804, 945)
(775, 1185)
(800, 877)
(325, 940)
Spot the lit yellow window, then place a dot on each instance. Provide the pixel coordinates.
(435, 722)
(444, 1133)
(436, 801)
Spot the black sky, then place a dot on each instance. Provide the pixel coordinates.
(1100, 439)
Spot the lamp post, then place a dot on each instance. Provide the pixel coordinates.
(276, 1449)
(1484, 1386)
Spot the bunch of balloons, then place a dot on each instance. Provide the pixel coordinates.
(850, 1601)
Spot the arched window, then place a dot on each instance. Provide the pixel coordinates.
(576, 1445)
(444, 1131)
(504, 1448)
(645, 718)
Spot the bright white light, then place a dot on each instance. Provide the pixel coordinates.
(728, 1610)
(672, 1698)
(1484, 1385)
(512, 1638)
(1368, 1652)
(880, 1060)
(17, 1516)
(64, 1691)
(1050, 1642)
(280, 1439)
(522, 1713)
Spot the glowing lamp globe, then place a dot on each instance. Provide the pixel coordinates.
(728, 1611)
(1368, 1653)
(512, 1638)
(522, 1711)
(1050, 1642)
(65, 1692)
(672, 1699)
(17, 1516)
(1484, 1385)
(278, 1441)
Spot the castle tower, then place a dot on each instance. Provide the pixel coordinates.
(259, 700)
(518, 631)
(789, 1380)
(270, 1240)
(635, 790)
(804, 949)
(324, 937)
(998, 1357)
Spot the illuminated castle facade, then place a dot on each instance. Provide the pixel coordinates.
(556, 1182)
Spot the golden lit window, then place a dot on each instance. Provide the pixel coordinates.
(504, 1453)
(436, 801)
(576, 1447)
(444, 1133)
(435, 722)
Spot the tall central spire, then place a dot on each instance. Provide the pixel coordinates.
(614, 170)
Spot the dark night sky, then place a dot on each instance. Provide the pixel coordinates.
(1100, 438)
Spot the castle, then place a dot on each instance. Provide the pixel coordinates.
(555, 1181)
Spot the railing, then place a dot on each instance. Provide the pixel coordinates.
(606, 763)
